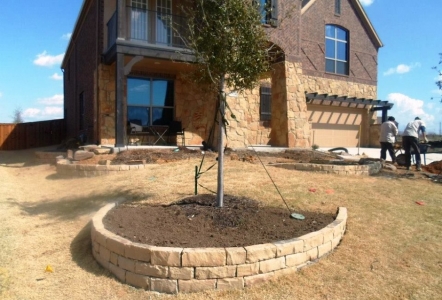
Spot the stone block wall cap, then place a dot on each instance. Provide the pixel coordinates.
(189, 263)
(342, 213)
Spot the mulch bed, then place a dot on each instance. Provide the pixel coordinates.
(196, 221)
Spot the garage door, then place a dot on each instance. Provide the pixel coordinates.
(335, 126)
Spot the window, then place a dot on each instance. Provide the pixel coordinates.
(81, 111)
(265, 106)
(336, 50)
(269, 11)
(150, 101)
(338, 7)
(139, 20)
(304, 2)
(164, 22)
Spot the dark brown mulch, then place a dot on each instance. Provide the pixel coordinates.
(196, 221)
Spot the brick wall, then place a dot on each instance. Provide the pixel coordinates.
(363, 52)
(80, 74)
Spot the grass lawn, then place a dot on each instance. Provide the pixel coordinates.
(391, 250)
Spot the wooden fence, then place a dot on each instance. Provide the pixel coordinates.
(32, 135)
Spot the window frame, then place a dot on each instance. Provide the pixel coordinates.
(338, 62)
(268, 9)
(265, 100)
(338, 7)
(149, 103)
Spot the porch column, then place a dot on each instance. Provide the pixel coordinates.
(384, 114)
(121, 19)
(278, 134)
(290, 126)
(120, 102)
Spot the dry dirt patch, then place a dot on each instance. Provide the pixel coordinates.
(391, 249)
(196, 221)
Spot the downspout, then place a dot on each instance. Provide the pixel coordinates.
(97, 121)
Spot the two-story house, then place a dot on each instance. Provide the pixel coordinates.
(126, 63)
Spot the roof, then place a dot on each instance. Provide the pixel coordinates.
(362, 16)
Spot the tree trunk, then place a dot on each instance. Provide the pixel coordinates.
(222, 130)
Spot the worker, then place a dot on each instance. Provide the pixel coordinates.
(410, 139)
(388, 137)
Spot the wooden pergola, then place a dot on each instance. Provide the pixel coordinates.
(336, 100)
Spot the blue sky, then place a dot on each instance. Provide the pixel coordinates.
(34, 36)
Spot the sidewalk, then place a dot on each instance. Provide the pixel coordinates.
(375, 153)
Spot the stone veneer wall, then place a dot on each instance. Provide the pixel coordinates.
(173, 270)
(106, 104)
(195, 108)
(375, 134)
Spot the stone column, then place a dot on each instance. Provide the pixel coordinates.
(290, 126)
(279, 132)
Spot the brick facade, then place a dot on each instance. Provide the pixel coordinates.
(301, 37)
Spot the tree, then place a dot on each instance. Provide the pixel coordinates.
(18, 116)
(439, 80)
(231, 49)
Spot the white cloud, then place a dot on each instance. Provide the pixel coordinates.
(405, 109)
(49, 112)
(45, 60)
(57, 76)
(1, 94)
(401, 69)
(54, 100)
(66, 36)
(366, 2)
(31, 112)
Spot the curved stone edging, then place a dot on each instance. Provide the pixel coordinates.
(48, 156)
(184, 270)
(367, 169)
(66, 167)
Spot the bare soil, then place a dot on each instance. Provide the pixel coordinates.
(197, 221)
(391, 249)
(158, 156)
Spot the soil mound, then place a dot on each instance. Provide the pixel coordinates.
(196, 221)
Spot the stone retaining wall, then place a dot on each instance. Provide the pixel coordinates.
(174, 270)
(67, 167)
(48, 156)
(369, 169)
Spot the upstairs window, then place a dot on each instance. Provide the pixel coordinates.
(336, 50)
(304, 2)
(268, 11)
(337, 7)
(139, 20)
(265, 103)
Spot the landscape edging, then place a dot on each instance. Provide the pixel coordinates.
(367, 169)
(173, 270)
(66, 167)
